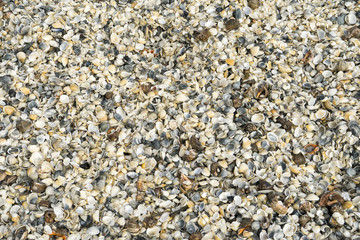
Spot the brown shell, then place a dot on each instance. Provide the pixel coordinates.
(307, 58)
(23, 125)
(337, 208)
(140, 185)
(330, 198)
(304, 219)
(149, 222)
(299, 158)
(353, 32)
(289, 201)
(190, 155)
(140, 196)
(250, 127)
(49, 216)
(195, 236)
(112, 134)
(232, 24)
(264, 185)
(146, 87)
(215, 169)
(38, 187)
(253, 4)
(285, 124)
(133, 225)
(203, 35)
(278, 206)
(306, 206)
(186, 184)
(311, 148)
(195, 143)
(262, 91)
(9, 180)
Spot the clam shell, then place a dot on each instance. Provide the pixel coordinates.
(258, 118)
(321, 114)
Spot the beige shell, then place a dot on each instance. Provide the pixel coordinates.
(278, 207)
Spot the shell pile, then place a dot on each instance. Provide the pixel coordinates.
(169, 119)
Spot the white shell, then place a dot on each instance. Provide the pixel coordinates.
(272, 137)
(297, 121)
(154, 231)
(321, 114)
(289, 229)
(312, 197)
(93, 231)
(258, 118)
(64, 99)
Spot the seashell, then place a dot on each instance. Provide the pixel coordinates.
(342, 66)
(203, 35)
(231, 24)
(304, 219)
(186, 184)
(354, 128)
(38, 187)
(337, 208)
(21, 233)
(215, 169)
(278, 206)
(9, 110)
(297, 121)
(245, 224)
(133, 225)
(87, 222)
(23, 125)
(253, 4)
(321, 114)
(312, 197)
(190, 155)
(306, 206)
(257, 118)
(285, 124)
(298, 158)
(311, 148)
(49, 216)
(9, 180)
(307, 58)
(113, 134)
(289, 201)
(353, 32)
(330, 198)
(195, 143)
(337, 220)
(263, 185)
(272, 137)
(195, 236)
(249, 127)
(289, 229)
(262, 91)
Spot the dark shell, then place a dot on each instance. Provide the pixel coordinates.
(149, 222)
(49, 216)
(38, 187)
(203, 35)
(232, 24)
(253, 4)
(215, 169)
(23, 125)
(190, 155)
(264, 185)
(195, 143)
(299, 158)
(195, 236)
